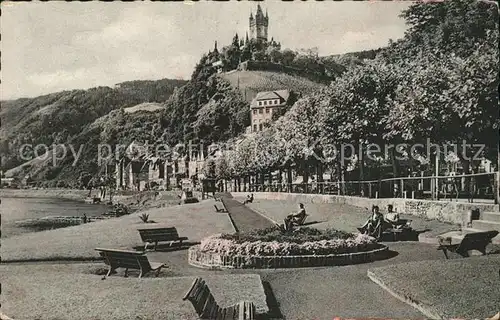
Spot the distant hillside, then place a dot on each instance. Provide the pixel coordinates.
(347, 60)
(60, 117)
(251, 82)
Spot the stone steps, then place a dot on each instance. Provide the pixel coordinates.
(486, 225)
(490, 216)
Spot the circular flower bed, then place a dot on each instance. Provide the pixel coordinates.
(308, 244)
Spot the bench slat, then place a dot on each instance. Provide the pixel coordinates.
(208, 306)
(194, 285)
(120, 251)
(229, 313)
(213, 312)
(241, 309)
(201, 301)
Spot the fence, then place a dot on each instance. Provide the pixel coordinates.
(469, 186)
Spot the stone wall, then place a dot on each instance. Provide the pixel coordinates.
(446, 211)
(215, 261)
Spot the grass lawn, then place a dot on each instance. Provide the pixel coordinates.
(194, 221)
(467, 288)
(51, 292)
(339, 216)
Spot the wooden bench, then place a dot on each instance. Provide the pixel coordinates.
(128, 260)
(217, 209)
(207, 308)
(397, 228)
(471, 241)
(155, 235)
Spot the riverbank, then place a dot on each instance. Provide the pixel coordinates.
(69, 194)
(145, 199)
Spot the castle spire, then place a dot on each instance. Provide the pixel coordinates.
(259, 11)
(246, 38)
(215, 47)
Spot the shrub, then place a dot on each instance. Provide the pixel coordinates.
(305, 241)
(144, 217)
(298, 236)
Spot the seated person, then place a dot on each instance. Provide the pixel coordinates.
(295, 218)
(373, 223)
(391, 216)
(249, 199)
(393, 220)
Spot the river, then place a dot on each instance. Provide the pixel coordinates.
(17, 209)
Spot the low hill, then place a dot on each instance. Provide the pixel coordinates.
(59, 118)
(252, 82)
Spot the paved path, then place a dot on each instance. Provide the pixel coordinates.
(245, 218)
(325, 292)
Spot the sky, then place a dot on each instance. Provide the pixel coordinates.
(54, 46)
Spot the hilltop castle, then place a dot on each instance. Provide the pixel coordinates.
(259, 25)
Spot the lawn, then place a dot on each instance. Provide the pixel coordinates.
(467, 288)
(52, 292)
(194, 221)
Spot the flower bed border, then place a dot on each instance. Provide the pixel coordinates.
(210, 260)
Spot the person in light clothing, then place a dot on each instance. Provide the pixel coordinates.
(391, 216)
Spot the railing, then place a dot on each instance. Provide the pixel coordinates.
(467, 186)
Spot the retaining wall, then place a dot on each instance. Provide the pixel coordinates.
(446, 211)
(210, 260)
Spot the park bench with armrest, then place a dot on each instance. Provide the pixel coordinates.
(155, 235)
(471, 241)
(397, 227)
(207, 308)
(300, 220)
(129, 260)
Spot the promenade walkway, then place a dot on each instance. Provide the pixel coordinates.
(244, 218)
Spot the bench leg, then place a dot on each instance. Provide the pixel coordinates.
(445, 251)
(156, 244)
(157, 273)
(110, 271)
(126, 273)
(180, 243)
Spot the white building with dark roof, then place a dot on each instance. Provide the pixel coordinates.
(263, 106)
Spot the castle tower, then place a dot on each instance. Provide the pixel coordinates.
(259, 25)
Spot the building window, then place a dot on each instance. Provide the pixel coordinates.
(260, 103)
(261, 111)
(265, 103)
(254, 111)
(254, 128)
(260, 127)
(267, 110)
